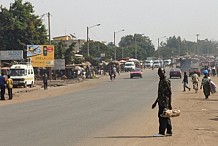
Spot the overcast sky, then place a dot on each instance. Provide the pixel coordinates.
(153, 18)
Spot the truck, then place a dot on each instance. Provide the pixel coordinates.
(22, 74)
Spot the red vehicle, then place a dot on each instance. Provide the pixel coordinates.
(136, 73)
(176, 72)
(192, 70)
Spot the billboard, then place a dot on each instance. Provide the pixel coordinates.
(59, 64)
(41, 55)
(11, 55)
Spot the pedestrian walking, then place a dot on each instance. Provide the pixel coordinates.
(2, 85)
(205, 83)
(185, 82)
(9, 83)
(164, 102)
(195, 80)
(45, 81)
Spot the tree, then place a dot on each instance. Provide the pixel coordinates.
(60, 48)
(20, 27)
(137, 42)
(96, 49)
(69, 54)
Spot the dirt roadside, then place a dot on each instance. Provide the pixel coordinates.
(37, 92)
(196, 126)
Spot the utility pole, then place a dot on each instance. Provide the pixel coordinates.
(197, 44)
(49, 28)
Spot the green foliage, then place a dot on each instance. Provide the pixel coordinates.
(78, 60)
(92, 60)
(60, 48)
(20, 27)
(136, 44)
(69, 54)
(176, 47)
(96, 49)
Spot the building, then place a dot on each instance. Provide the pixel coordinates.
(68, 40)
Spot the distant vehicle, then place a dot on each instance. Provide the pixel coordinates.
(22, 74)
(5, 70)
(136, 73)
(192, 70)
(175, 72)
(167, 62)
(157, 64)
(129, 66)
(148, 63)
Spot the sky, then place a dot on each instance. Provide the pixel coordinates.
(153, 18)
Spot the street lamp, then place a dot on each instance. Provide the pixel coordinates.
(197, 35)
(115, 53)
(49, 36)
(49, 25)
(88, 36)
(136, 56)
(158, 43)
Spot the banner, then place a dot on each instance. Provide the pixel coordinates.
(41, 55)
(11, 55)
(59, 64)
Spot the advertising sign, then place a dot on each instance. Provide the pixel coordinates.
(59, 64)
(11, 55)
(41, 55)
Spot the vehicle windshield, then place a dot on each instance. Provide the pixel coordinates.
(128, 64)
(137, 69)
(175, 69)
(16, 72)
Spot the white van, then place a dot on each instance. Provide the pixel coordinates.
(148, 63)
(129, 66)
(22, 74)
(167, 62)
(157, 63)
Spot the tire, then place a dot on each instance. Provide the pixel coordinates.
(31, 85)
(25, 85)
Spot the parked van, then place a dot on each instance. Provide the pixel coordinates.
(129, 66)
(148, 63)
(167, 62)
(157, 63)
(22, 74)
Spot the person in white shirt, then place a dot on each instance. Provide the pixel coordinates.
(195, 79)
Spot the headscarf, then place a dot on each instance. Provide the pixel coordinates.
(161, 73)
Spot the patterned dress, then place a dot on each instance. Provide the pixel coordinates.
(206, 86)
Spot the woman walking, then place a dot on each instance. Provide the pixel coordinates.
(205, 83)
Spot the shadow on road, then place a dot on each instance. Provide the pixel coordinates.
(126, 137)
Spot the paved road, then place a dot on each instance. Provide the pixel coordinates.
(114, 113)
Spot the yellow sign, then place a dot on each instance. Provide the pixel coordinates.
(41, 55)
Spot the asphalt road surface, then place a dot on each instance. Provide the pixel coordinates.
(113, 113)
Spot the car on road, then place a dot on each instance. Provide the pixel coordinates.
(130, 65)
(192, 70)
(175, 72)
(137, 72)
